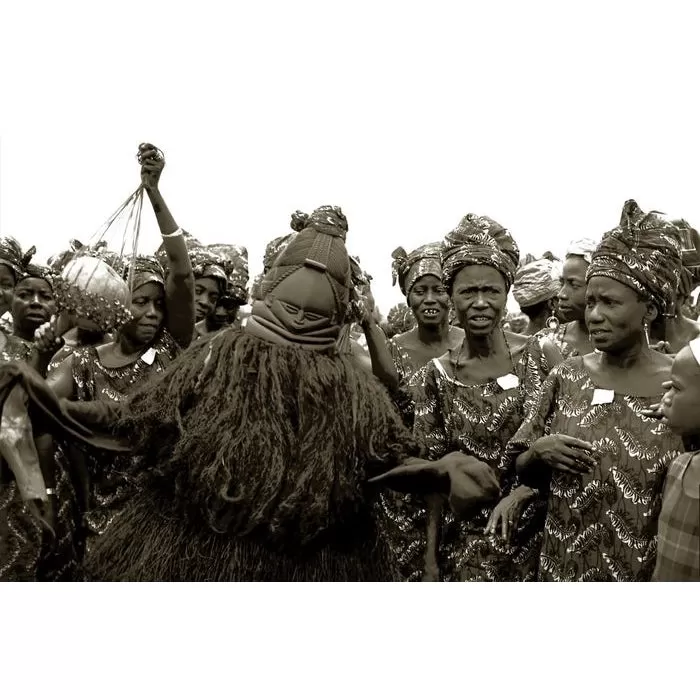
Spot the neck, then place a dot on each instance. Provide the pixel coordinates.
(691, 443)
(535, 326)
(433, 335)
(636, 354)
(484, 345)
(128, 346)
(24, 333)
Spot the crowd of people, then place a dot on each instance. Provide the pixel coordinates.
(164, 418)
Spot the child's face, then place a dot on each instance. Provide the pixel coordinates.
(680, 405)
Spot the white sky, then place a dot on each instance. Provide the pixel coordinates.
(544, 116)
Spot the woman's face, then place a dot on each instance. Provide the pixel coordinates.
(479, 296)
(206, 295)
(572, 295)
(7, 287)
(148, 311)
(615, 315)
(429, 301)
(32, 305)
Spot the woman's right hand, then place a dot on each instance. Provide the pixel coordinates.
(564, 453)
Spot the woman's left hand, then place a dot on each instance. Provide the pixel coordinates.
(654, 411)
(507, 512)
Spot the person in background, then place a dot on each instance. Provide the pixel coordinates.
(678, 549)
(235, 295)
(571, 337)
(535, 290)
(12, 261)
(395, 363)
(589, 432)
(671, 333)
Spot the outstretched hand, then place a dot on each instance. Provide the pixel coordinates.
(48, 338)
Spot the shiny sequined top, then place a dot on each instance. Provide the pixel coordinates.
(14, 349)
(602, 526)
(95, 382)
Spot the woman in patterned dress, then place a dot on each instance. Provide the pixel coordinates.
(591, 429)
(419, 275)
(473, 399)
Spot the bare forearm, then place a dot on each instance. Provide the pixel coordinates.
(179, 287)
(382, 362)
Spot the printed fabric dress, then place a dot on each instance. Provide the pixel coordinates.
(35, 545)
(602, 526)
(107, 481)
(479, 420)
(405, 515)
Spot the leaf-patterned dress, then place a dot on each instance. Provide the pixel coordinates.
(602, 526)
(479, 420)
(404, 515)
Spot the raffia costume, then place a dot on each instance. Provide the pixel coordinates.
(266, 437)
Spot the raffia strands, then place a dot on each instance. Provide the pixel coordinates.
(265, 439)
(152, 541)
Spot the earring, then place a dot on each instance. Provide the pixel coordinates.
(646, 332)
(553, 324)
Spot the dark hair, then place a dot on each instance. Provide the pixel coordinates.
(538, 309)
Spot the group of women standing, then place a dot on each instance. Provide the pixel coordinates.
(149, 436)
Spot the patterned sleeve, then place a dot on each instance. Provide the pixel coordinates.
(539, 410)
(405, 395)
(429, 424)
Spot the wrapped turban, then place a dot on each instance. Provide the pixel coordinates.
(690, 256)
(536, 282)
(147, 268)
(407, 269)
(478, 240)
(643, 253)
(234, 260)
(583, 247)
(11, 255)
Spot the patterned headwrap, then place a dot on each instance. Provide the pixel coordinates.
(206, 263)
(643, 253)
(409, 268)
(690, 255)
(147, 268)
(11, 254)
(235, 263)
(583, 247)
(536, 282)
(478, 240)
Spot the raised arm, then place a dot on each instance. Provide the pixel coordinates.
(179, 286)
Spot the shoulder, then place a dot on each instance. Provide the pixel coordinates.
(404, 340)
(519, 343)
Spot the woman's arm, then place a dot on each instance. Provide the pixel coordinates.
(60, 379)
(179, 286)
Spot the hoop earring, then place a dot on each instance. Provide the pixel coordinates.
(553, 324)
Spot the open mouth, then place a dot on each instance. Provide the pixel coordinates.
(431, 313)
(480, 319)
